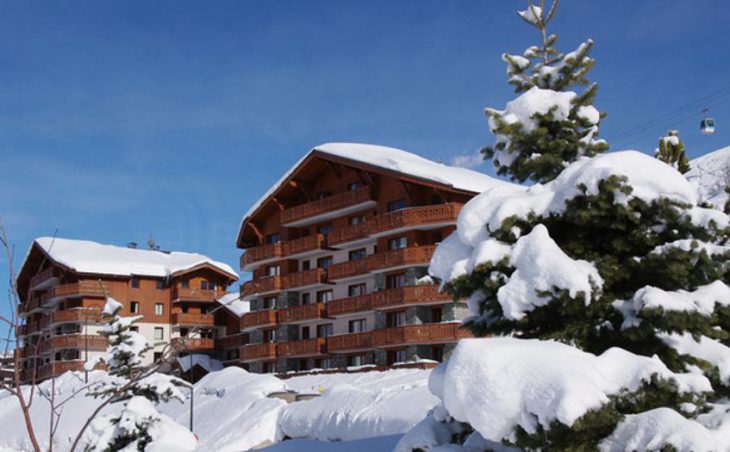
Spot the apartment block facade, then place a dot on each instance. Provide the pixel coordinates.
(63, 285)
(339, 251)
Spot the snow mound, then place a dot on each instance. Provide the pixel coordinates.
(524, 383)
(709, 175)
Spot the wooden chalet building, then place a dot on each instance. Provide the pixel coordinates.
(62, 287)
(336, 249)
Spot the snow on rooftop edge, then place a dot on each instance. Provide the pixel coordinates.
(233, 302)
(85, 256)
(392, 159)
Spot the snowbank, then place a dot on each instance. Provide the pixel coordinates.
(710, 175)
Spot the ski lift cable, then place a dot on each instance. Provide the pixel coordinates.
(690, 108)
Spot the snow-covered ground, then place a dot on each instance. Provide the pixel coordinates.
(361, 411)
(710, 174)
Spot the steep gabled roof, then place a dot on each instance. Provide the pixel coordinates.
(84, 256)
(389, 159)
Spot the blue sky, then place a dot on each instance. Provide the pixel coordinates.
(125, 120)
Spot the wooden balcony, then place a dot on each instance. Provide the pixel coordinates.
(44, 279)
(350, 305)
(349, 342)
(302, 313)
(258, 352)
(261, 253)
(414, 255)
(413, 218)
(204, 295)
(304, 347)
(76, 315)
(231, 341)
(187, 318)
(427, 333)
(257, 319)
(409, 295)
(348, 269)
(309, 211)
(261, 285)
(304, 245)
(192, 344)
(305, 278)
(78, 289)
(79, 341)
(346, 234)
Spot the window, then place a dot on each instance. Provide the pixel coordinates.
(395, 281)
(356, 255)
(185, 283)
(325, 363)
(356, 290)
(356, 326)
(273, 238)
(305, 298)
(324, 262)
(269, 335)
(396, 356)
(207, 285)
(159, 284)
(156, 356)
(273, 270)
(269, 368)
(324, 296)
(437, 237)
(355, 360)
(324, 330)
(231, 354)
(135, 282)
(324, 194)
(134, 328)
(437, 353)
(354, 185)
(134, 307)
(396, 205)
(357, 219)
(305, 332)
(324, 229)
(306, 265)
(437, 315)
(159, 334)
(436, 199)
(269, 302)
(394, 319)
(397, 243)
(159, 309)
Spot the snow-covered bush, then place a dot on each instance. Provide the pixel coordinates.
(138, 426)
(671, 151)
(610, 280)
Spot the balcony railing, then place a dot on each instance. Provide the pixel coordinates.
(304, 347)
(408, 295)
(414, 255)
(260, 253)
(348, 269)
(413, 217)
(79, 289)
(261, 285)
(187, 318)
(188, 294)
(192, 343)
(43, 277)
(80, 341)
(346, 234)
(426, 333)
(326, 205)
(349, 342)
(350, 305)
(232, 341)
(302, 313)
(255, 319)
(305, 278)
(304, 244)
(76, 315)
(255, 352)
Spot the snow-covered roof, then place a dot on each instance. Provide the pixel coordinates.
(392, 159)
(710, 175)
(84, 256)
(233, 302)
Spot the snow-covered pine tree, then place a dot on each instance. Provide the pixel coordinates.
(671, 151)
(604, 294)
(138, 425)
(548, 126)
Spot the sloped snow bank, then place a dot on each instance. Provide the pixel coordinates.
(498, 384)
(710, 175)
